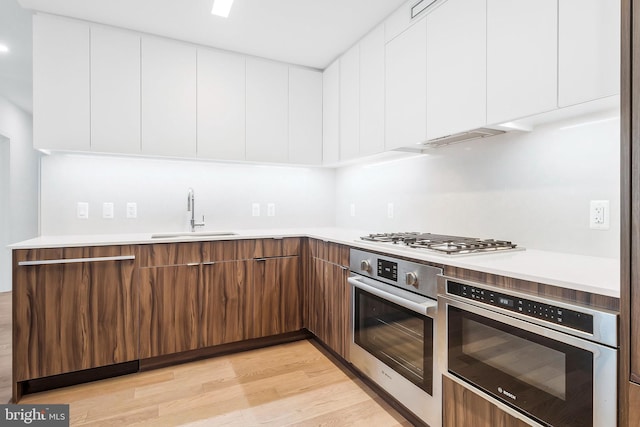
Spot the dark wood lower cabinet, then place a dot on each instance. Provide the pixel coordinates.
(74, 313)
(329, 301)
(223, 301)
(273, 297)
(169, 311)
(462, 407)
(328, 305)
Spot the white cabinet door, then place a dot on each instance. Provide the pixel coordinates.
(372, 92)
(522, 48)
(456, 67)
(305, 116)
(589, 43)
(331, 114)
(221, 105)
(168, 98)
(406, 88)
(61, 100)
(349, 104)
(115, 91)
(267, 111)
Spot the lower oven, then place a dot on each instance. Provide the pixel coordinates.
(393, 331)
(554, 362)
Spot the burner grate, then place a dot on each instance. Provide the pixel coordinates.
(450, 245)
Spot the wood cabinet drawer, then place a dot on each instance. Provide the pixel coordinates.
(268, 248)
(329, 251)
(162, 254)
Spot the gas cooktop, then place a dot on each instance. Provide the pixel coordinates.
(443, 244)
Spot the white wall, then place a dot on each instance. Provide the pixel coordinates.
(224, 194)
(5, 237)
(16, 125)
(533, 189)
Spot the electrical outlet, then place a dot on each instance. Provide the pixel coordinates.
(107, 210)
(599, 214)
(132, 210)
(255, 209)
(352, 209)
(82, 210)
(271, 209)
(389, 210)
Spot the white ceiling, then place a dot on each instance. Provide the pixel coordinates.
(306, 32)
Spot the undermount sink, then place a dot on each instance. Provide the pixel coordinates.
(194, 234)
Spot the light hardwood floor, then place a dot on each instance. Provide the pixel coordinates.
(290, 384)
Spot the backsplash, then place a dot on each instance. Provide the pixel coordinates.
(224, 194)
(531, 188)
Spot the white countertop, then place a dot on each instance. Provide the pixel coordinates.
(579, 272)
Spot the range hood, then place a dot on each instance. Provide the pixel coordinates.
(461, 137)
(452, 139)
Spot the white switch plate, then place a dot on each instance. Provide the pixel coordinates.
(599, 215)
(389, 210)
(271, 209)
(255, 209)
(132, 210)
(82, 210)
(352, 209)
(107, 210)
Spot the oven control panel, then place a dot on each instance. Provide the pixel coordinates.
(554, 314)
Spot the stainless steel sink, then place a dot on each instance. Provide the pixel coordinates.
(194, 234)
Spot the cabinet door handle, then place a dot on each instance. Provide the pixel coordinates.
(78, 260)
(208, 263)
(193, 264)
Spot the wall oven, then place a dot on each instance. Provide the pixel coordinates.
(552, 361)
(393, 330)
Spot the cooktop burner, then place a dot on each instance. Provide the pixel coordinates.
(449, 245)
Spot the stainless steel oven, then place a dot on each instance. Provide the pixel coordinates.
(393, 330)
(552, 361)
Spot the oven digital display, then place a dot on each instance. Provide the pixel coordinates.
(505, 301)
(388, 269)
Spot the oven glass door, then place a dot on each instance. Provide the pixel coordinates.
(547, 379)
(399, 337)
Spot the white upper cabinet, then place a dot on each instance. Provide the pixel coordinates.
(350, 104)
(405, 16)
(522, 52)
(115, 91)
(456, 67)
(589, 42)
(221, 105)
(371, 134)
(406, 88)
(305, 116)
(267, 111)
(61, 99)
(331, 113)
(168, 98)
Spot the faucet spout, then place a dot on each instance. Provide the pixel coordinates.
(191, 207)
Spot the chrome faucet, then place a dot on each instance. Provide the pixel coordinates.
(191, 207)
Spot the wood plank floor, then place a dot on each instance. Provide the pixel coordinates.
(289, 384)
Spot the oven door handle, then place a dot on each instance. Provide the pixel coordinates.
(418, 304)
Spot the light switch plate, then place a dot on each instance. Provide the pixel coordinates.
(107, 210)
(255, 209)
(271, 209)
(82, 210)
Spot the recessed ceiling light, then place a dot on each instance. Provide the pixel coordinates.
(221, 7)
(4, 48)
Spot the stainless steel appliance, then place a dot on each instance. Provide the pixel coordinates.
(393, 329)
(552, 361)
(442, 244)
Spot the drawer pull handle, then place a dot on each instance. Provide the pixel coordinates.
(77, 260)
